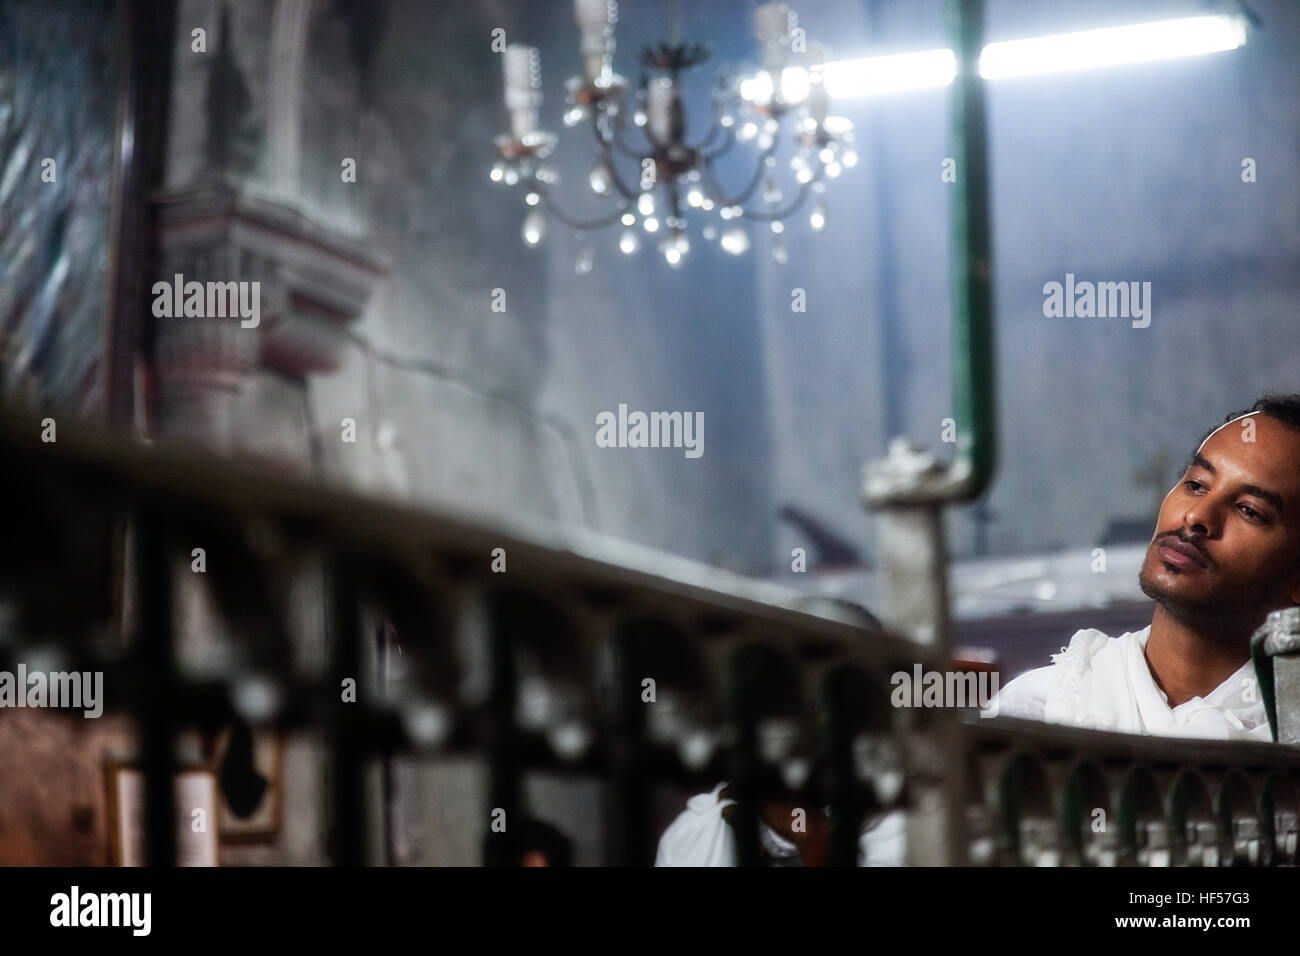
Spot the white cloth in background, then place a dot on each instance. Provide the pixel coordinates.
(700, 837)
(1104, 683)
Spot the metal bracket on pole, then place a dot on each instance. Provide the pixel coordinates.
(912, 547)
(1275, 649)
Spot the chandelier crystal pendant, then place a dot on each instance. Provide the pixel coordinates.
(654, 183)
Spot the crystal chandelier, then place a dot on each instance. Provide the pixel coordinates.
(654, 182)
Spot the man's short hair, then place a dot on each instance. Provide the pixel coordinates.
(1283, 408)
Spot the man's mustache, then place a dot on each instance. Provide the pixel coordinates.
(1193, 541)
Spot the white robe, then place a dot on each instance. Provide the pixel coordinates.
(700, 837)
(1104, 683)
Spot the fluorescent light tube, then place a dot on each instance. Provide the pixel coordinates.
(1112, 46)
(1081, 50)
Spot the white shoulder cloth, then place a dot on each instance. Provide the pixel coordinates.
(1104, 683)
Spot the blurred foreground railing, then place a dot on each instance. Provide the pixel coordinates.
(583, 656)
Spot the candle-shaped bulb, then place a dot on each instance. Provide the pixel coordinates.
(772, 30)
(522, 66)
(596, 19)
(663, 111)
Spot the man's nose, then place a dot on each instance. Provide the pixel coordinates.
(1203, 517)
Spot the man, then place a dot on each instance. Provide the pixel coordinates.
(702, 835)
(1225, 552)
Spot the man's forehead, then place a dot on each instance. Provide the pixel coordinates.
(1266, 451)
(1239, 421)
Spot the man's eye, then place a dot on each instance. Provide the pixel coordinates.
(1251, 513)
(1191, 484)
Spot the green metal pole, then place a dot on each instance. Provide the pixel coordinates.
(907, 478)
(972, 305)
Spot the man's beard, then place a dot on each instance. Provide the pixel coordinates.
(1230, 614)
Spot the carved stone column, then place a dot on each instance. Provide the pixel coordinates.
(241, 390)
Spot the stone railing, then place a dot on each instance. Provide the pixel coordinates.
(535, 650)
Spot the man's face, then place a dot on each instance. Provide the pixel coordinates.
(1227, 542)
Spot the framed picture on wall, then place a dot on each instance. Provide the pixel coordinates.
(251, 779)
(197, 815)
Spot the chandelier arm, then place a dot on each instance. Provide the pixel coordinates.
(674, 201)
(748, 191)
(703, 145)
(719, 102)
(598, 128)
(624, 190)
(790, 208)
(621, 144)
(584, 225)
(729, 140)
(613, 139)
(606, 153)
